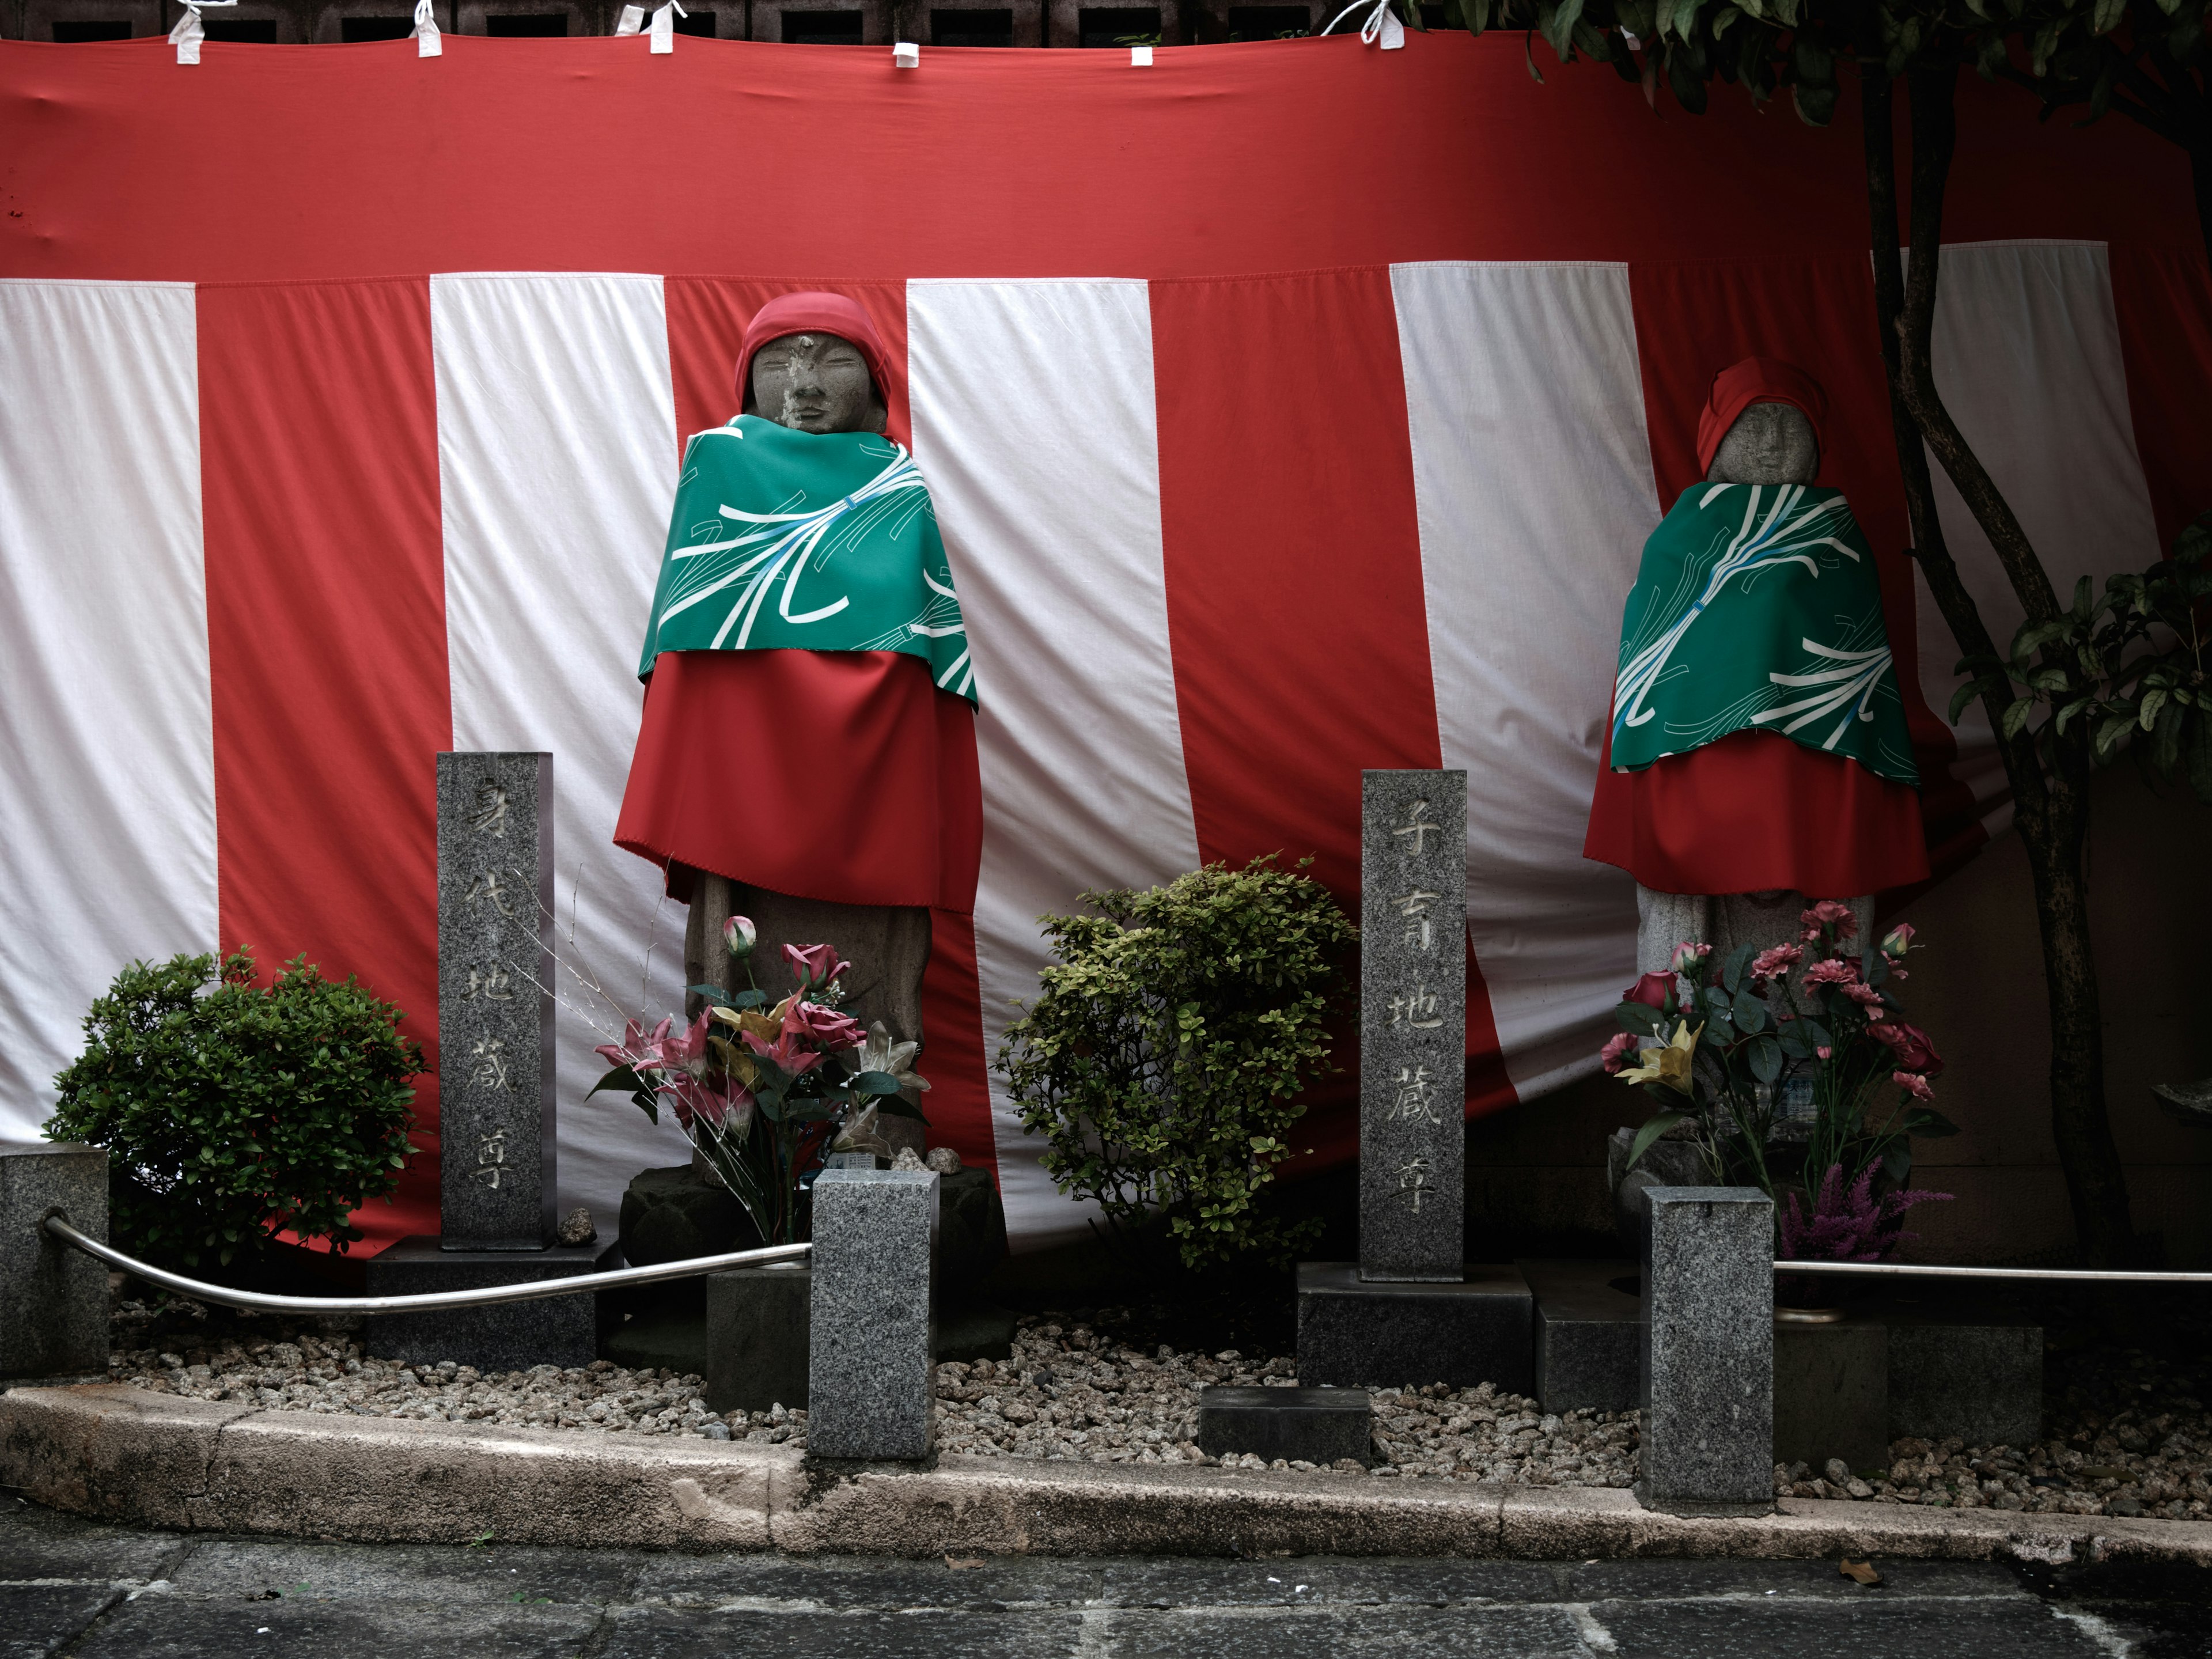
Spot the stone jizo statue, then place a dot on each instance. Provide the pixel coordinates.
(806, 756)
(1757, 757)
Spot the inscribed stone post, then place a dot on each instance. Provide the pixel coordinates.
(494, 1024)
(1707, 1351)
(872, 1369)
(1413, 1025)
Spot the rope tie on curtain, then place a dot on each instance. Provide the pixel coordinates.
(188, 33)
(1381, 26)
(427, 41)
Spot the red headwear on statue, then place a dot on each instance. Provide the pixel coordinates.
(815, 313)
(1757, 380)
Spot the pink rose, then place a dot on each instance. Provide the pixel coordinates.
(1652, 990)
(1914, 1084)
(825, 1027)
(1915, 1053)
(1898, 940)
(1825, 1052)
(737, 936)
(1688, 958)
(1614, 1055)
(1776, 963)
(815, 966)
(1836, 970)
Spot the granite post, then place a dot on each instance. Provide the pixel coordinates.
(1706, 1363)
(53, 1298)
(495, 1111)
(497, 1175)
(871, 1371)
(1413, 1026)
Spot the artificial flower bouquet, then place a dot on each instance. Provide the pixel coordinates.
(1718, 1044)
(762, 1090)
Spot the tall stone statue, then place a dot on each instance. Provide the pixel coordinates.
(1757, 759)
(807, 753)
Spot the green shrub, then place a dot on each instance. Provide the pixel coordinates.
(231, 1113)
(1164, 1060)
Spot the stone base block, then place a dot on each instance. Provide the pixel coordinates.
(1585, 1336)
(560, 1330)
(1319, 1425)
(53, 1298)
(659, 1338)
(1962, 1365)
(756, 1338)
(970, 1329)
(1831, 1393)
(1353, 1333)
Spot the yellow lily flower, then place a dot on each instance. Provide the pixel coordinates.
(1669, 1065)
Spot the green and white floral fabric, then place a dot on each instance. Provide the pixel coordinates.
(1758, 608)
(821, 541)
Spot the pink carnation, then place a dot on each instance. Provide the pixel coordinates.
(1614, 1055)
(1831, 914)
(1864, 994)
(1825, 1052)
(1774, 963)
(1836, 970)
(1914, 1084)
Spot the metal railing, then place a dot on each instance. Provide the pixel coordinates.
(488, 1296)
(1918, 1270)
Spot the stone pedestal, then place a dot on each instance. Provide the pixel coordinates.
(756, 1338)
(1962, 1362)
(872, 1370)
(1706, 1364)
(1586, 1333)
(559, 1330)
(53, 1299)
(1831, 1392)
(1318, 1425)
(1355, 1333)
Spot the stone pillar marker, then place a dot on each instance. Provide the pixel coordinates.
(497, 1166)
(53, 1298)
(872, 1368)
(1413, 1026)
(1707, 1352)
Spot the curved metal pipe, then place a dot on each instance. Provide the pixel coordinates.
(1916, 1270)
(488, 1296)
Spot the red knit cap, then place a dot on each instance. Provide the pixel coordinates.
(814, 314)
(1757, 380)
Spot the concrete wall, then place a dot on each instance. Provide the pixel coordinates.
(1977, 990)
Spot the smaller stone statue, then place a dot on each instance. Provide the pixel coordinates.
(1757, 759)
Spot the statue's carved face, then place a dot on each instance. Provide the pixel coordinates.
(1769, 444)
(815, 383)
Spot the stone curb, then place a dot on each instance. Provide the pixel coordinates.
(126, 1455)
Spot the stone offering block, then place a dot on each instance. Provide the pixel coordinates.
(1413, 1025)
(1831, 1393)
(1319, 1425)
(756, 1338)
(1586, 1333)
(872, 1368)
(1962, 1363)
(53, 1298)
(497, 1162)
(560, 1330)
(1357, 1333)
(1706, 1350)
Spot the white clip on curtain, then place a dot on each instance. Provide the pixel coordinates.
(1382, 26)
(188, 33)
(428, 43)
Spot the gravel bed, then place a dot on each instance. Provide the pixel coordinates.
(1077, 1391)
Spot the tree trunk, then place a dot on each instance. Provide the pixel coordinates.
(2050, 801)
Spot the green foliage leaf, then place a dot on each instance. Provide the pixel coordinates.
(1652, 1129)
(1765, 1056)
(1749, 1011)
(1738, 963)
(233, 1111)
(1637, 1018)
(2016, 716)
(873, 1083)
(622, 1077)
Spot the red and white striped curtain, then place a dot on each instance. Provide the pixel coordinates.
(1345, 462)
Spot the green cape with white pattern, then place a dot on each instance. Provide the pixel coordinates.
(1758, 608)
(822, 541)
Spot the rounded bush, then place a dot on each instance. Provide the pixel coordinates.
(232, 1112)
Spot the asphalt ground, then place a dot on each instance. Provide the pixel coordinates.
(72, 1588)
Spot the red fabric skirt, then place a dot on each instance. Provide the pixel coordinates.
(1754, 812)
(840, 775)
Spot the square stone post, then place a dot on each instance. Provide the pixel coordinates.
(495, 1111)
(1707, 1352)
(1413, 1026)
(53, 1299)
(872, 1369)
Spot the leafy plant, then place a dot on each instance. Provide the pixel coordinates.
(1165, 1060)
(232, 1112)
